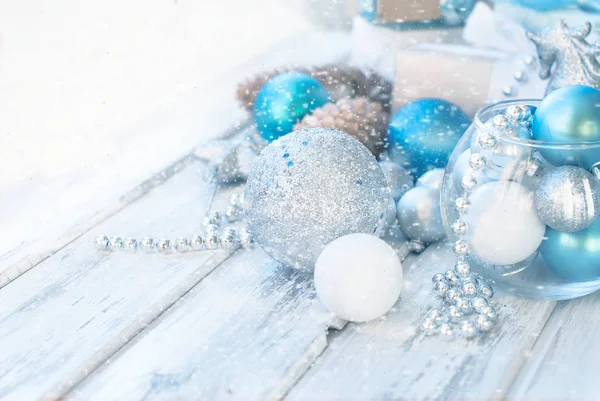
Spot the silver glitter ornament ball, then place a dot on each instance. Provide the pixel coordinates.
(310, 187)
(568, 198)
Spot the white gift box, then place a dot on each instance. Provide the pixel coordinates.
(463, 75)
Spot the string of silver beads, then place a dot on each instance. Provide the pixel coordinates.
(520, 77)
(215, 235)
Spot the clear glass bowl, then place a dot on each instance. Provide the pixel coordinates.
(497, 177)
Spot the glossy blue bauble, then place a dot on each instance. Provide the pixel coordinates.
(573, 256)
(426, 131)
(569, 115)
(545, 5)
(284, 100)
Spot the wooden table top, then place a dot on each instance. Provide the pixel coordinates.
(83, 324)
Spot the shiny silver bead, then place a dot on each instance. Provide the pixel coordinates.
(415, 246)
(228, 238)
(477, 161)
(163, 245)
(468, 182)
(459, 227)
(487, 140)
(182, 245)
(464, 305)
(101, 242)
(533, 167)
(488, 311)
(452, 278)
(500, 121)
(445, 329)
(452, 295)
(147, 244)
(454, 313)
(115, 244)
(514, 112)
(233, 213)
(196, 243)
(237, 200)
(212, 218)
(520, 76)
(429, 326)
(246, 239)
(509, 91)
(441, 288)
(478, 303)
(211, 241)
(130, 244)
(436, 315)
(438, 277)
(460, 248)
(484, 323)
(462, 205)
(486, 291)
(462, 268)
(469, 288)
(530, 62)
(211, 228)
(468, 329)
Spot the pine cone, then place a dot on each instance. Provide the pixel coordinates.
(341, 81)
(360, 118)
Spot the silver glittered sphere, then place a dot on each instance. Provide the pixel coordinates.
(399, 180)
(568, 198)
(310, 187)
(419, 215)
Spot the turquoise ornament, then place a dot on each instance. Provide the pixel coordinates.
(569, 115)
(426, 131)
(545, 5)
(573, 256)
(284, 100)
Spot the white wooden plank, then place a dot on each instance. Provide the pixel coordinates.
(563, 365)
(39, 216)
(391, 358)
(78, 307)
(247, 331)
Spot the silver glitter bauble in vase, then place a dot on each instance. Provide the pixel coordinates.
(310, 187)
(568, 199)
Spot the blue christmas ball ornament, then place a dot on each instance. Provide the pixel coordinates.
(545, 5)
(569, 115)
(426, 131)
(573, 256)
(284, 100)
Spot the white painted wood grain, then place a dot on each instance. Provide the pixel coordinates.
(247, 331)
(41, 215)
(563, 365)
(63, 318)
(391, 359)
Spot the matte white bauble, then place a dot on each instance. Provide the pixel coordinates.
(504, 227)
(358, 277)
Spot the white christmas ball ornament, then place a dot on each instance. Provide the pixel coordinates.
(504, 227)
(358, 277)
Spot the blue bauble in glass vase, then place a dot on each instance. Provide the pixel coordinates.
(426, 131)
(284, 100)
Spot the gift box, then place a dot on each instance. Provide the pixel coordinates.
(375, 46)
(463, 75)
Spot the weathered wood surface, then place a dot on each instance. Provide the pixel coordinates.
(564, 363)
(392, 359)
(78, 307)
(37, 220)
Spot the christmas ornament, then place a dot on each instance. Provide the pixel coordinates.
(568, 199)
(575, 58)
(398, 179)
(342, 81)
(569, 115)
(589, 6)
(432, 179)
(573, 256)
(426, 130)
(419, 215)
(284, 100)
(504, 227)
(309, 188)
(545, 5)
(391, 214)
(363, 120)
(358, 277)
(456, 12)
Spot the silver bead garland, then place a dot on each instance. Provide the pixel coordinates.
(465, 296)
(520, 77)
(217, 234)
